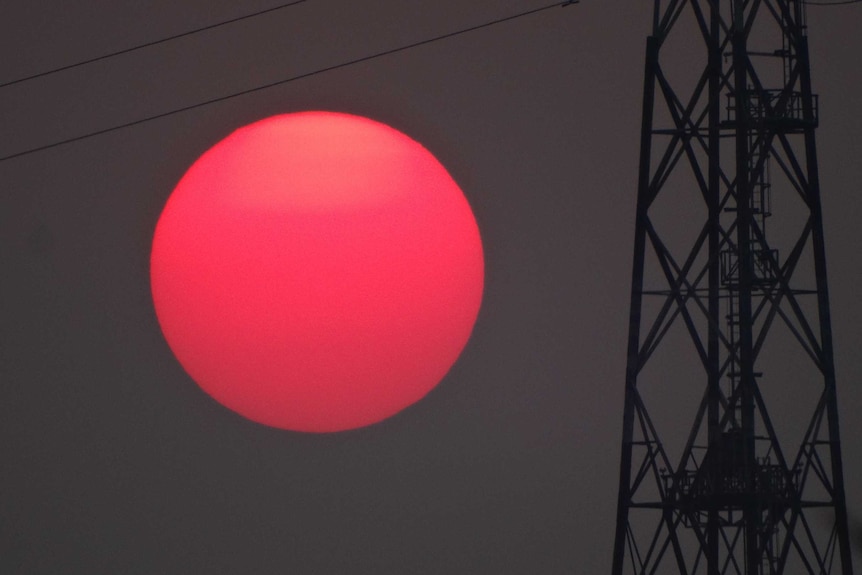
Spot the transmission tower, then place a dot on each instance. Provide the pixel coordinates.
(731, 459)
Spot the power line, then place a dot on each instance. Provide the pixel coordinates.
(149, 44)
(280, 82)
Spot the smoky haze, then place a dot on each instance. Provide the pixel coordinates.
(114, 461)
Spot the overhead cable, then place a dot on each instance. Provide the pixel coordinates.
(279, 82)
(149, 44)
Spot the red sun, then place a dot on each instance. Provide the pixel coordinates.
(317, 271)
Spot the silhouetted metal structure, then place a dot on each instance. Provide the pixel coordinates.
(730, 334)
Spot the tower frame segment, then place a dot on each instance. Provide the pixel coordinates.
(741, 495)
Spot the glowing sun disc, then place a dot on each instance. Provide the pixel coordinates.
(317, 271)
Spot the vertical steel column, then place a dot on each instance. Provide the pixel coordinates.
(713, 337)
(633, 360)
(741, 97)
(823, 308)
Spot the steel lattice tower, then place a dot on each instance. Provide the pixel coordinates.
(731, 459)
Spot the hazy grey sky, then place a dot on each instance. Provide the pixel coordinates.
(113, 461)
